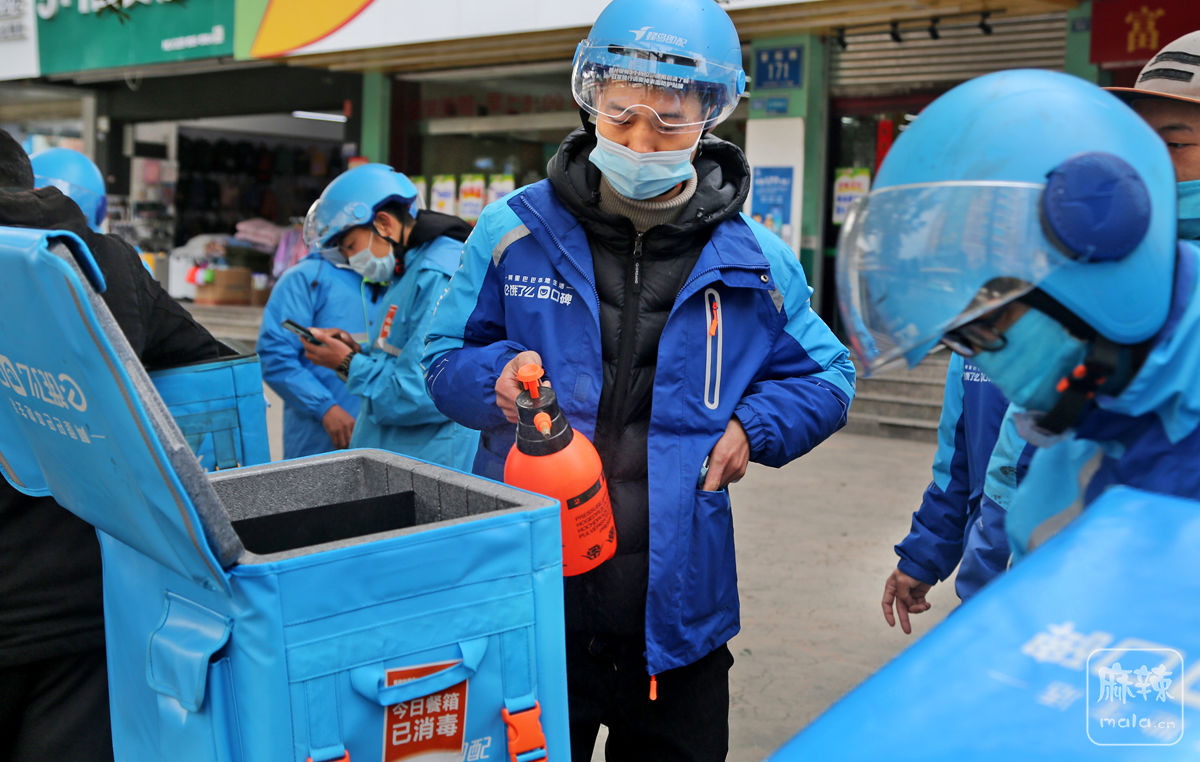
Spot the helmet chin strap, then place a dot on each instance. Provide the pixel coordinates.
(1077, 389)
(1107, 368)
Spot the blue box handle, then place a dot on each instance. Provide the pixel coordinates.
(371, 681)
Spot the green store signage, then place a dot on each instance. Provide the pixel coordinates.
(79, 35)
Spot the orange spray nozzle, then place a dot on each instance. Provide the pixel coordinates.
(541, 422)
(530, 376)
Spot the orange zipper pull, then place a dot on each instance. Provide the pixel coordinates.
(653, 688)
(712, 327)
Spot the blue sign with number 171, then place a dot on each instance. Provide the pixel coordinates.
(778, 67)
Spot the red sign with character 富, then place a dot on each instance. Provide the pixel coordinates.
(1130, 32)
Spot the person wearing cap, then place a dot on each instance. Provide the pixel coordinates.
(1052, 261)
(1167, 95)
(405, 257)
(678, 335)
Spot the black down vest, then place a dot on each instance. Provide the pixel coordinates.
(638, 278)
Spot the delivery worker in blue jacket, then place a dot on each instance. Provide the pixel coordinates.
(405, 258)
(957, 524)
(318, 409)
(1028, 220)
(1166, 95)
(678, 335)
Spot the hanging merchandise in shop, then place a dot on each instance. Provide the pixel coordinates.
(82, 35)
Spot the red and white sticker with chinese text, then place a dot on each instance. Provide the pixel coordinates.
(429, 728)
(386, 330)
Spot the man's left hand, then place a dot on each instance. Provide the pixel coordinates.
(729, 457)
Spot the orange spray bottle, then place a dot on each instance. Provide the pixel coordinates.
(554, 459)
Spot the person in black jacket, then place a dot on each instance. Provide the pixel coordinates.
(53, 682)
(679, 336)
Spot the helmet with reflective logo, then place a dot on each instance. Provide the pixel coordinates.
(352, 199)
(75, 175)
(687, 50)
(1014, 181)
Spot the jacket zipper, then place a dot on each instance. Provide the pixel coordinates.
(558, 243)
(714, 346)
(625, 348)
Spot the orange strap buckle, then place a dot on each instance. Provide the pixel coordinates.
(344, 758)
(526, 741)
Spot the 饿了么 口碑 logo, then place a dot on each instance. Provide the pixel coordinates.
(1133, 696)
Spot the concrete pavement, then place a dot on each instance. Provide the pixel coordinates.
(814, 542)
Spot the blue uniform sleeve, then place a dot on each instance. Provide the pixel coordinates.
(804, 389)
(467, 346)
(280, 352)
(395, 384)
(1008, 463)
(934, 544)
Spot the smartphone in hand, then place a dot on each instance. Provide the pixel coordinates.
(301, 331)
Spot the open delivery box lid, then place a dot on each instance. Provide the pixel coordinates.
(81, 420)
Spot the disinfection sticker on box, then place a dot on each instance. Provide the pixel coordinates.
(429, 728)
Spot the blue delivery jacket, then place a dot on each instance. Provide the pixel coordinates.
(397, 413)
(316, 292)
(527, 282)
(958, 524)
(1147, 437)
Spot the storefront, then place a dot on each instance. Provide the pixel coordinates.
(191, 140)
(472, 98)
(496, 128)
(881, 78)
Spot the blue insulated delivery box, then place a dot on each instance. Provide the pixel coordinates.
(219, 407)
(354, 605)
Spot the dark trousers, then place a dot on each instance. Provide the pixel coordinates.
(607, 684)
(56, 709)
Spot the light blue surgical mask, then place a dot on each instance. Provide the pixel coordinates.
(1038, 352)
(642, 175)
(1189, 210)
(373, 269)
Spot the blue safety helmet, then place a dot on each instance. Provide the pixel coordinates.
(75, 175)
(1013, 181)
(352, 199)
(677, 48)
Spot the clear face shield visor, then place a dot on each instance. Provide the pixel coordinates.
(917, 261)
(678, 92)
(325, 222)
